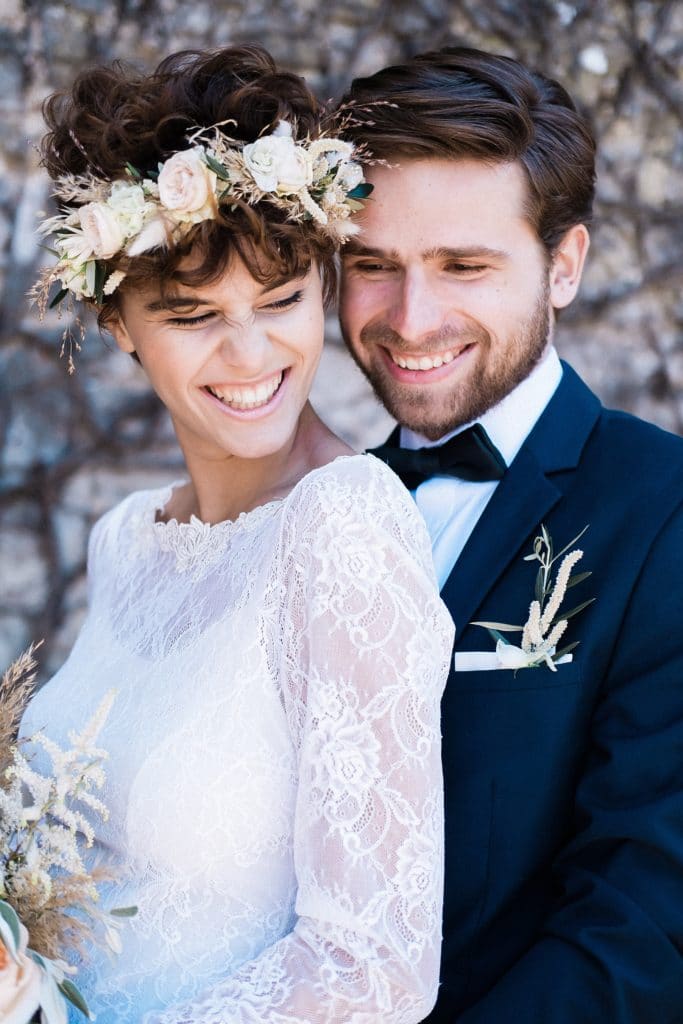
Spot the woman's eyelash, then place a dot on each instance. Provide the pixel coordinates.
(193, 321)
(284, 303)
(190, 321)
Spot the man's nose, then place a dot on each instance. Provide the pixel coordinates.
(417, 310)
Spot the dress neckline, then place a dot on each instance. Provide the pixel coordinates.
(171, 533)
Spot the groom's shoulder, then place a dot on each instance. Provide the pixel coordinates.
(622, 427)
(626, 440)
(634, 465)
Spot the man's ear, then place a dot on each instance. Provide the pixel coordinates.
(119, 332)
(567, 266)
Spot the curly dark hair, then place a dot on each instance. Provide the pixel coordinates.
(113, 116)
(464, 103)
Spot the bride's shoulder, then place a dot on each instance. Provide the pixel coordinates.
(361, 481)
(128, 514)
(357, 492)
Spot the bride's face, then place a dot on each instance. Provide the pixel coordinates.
(232, 361)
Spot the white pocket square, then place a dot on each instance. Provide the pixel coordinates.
(489, 661)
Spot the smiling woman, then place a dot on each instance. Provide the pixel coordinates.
(271, 623)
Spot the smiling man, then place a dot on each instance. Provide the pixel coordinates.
(563, 741)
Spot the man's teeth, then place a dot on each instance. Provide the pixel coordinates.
(248, 398)
(424, 362)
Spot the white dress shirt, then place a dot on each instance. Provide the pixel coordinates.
(452, 507)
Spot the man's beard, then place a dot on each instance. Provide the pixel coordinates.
(488, 384)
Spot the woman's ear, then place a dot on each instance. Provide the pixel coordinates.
(567, 266)
(119, 332)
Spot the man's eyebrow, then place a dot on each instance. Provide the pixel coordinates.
(467, 252)
(353, 248)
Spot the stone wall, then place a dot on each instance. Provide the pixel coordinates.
(72, 446)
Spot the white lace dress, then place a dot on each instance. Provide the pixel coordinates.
(274, 780)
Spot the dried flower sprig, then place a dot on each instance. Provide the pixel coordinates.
(48, 898)
(547, 623)
(16, 688)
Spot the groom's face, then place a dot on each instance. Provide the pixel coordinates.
(445, 300)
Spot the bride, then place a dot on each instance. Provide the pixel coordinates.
(271, 624)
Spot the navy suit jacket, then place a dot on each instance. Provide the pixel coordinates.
(564, 791)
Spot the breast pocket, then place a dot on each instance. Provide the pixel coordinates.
(505, 680)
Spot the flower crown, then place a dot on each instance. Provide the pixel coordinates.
(311, 180)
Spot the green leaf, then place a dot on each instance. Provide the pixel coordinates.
(547, 540)
(61, 294)
(498, 636)
(578, 578)
(499, 625)
(124, 911)
(361, 191)
(69, 990)
(217, 167)
(134, 172)
(90, 271)
(566, 650)
(574, 611)
(100, 278)
(571, 543)
(539, 587)
(9, 916)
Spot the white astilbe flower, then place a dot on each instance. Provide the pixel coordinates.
(40, 820)
(560, 588)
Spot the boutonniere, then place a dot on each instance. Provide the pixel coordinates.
(547, 621)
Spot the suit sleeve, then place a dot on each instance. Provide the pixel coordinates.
(611, 948)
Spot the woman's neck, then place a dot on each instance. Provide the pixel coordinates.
(220, 490)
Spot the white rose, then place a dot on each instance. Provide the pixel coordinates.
(278, 165)
(20, 982)
(350, 175)
(130, 206)
(101, 230)
(186, 187)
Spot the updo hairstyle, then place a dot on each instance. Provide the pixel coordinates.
(114, 116)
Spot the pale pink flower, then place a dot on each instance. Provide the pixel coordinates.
(20, 981)
(186, 186)
(101, 230)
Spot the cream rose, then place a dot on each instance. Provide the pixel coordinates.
(19, 983)
(277, 164)
(101, 230)
(186, 187)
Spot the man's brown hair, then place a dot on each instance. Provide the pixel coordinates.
(461, 103)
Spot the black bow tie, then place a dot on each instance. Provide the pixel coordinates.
(470, 455)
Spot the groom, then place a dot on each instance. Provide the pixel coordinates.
(563, 779)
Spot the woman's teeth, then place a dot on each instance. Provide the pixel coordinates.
(247, 398)
(425, 362)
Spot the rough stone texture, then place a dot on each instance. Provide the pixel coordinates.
(71, 447)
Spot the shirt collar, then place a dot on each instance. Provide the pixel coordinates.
(510, 422)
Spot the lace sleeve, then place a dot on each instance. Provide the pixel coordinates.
(365, 648)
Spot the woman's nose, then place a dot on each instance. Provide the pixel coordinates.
(245, 345)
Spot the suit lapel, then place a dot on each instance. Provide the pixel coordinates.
(525, 495)
(521, 500)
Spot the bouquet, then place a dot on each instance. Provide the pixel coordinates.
(48, 899)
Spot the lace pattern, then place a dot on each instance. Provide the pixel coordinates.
(275, 776)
